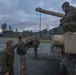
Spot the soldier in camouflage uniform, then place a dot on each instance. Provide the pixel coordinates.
(7, 59)
(68, 23)
(21, 50)
(34, 43)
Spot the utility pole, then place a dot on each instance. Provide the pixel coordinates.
(47, 26)
(40, 26)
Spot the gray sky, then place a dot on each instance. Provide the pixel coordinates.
(21, 14)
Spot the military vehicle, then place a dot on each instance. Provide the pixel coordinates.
(65, 44)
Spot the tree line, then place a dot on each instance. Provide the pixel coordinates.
(7, 30)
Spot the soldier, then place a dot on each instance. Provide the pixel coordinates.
(33, 43)
(36, 45)
(68, 23)
(21, 50)
(7, 59)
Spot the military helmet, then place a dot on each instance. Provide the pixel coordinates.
(9, 42)
(65, 4)
(20, 36)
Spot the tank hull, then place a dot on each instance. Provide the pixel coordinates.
(68, 40)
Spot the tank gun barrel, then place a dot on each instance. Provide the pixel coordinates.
(49, 12)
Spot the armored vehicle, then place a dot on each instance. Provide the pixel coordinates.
(63, 46)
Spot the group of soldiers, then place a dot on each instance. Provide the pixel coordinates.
(7, 55)
(68, 23)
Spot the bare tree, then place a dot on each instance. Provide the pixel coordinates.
(4, 27)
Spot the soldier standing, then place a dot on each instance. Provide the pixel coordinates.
(7, 59)
(21, 50)
(68, 22)
(36, 45)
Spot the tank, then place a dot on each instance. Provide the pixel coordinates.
(63, 46)
(65, 50)
(60, 38)
(68, 40)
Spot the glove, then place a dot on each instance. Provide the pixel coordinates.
(61, 20)
(60, 24)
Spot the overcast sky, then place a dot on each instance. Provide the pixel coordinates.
(21, 14)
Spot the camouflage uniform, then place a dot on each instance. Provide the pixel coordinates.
(7, 59)
(34, 43)
(21, 50)
(68, 23)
